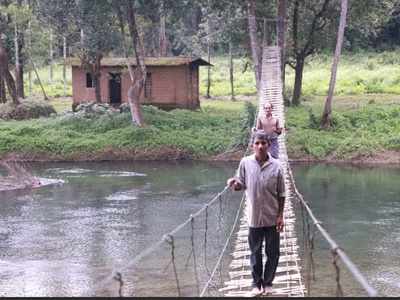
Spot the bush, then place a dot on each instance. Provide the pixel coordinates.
(27, 109)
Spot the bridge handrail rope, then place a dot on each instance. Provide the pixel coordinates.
(336, 250)
(224, 248)
(165, 238)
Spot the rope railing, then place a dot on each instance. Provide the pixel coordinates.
(116, 274)
(224, 248)
(335, 249)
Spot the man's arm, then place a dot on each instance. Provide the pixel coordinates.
(259, 124)
(279, 220)
(281, 201)
(278, 129)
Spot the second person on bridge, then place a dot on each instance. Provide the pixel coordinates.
(261, 177)
(271, 126)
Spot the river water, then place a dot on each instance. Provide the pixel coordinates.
(67, 240)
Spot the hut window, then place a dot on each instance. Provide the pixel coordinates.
(89, 80)
(148, 86)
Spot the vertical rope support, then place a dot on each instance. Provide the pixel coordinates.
(311, 252)
(308, 256)
(118, 278)
(339, 290)
(205, 238)
(194, 256)
(310, 259)
(220, 210)
(304, 220)
(170, 240)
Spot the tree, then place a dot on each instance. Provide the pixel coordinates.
(57, 16)
(5, 73)
(19, 15)
(307, 36)
(254, 43)
(162, 44)
(138, 76)
(281, 30)
(326, 120)
(99, 36)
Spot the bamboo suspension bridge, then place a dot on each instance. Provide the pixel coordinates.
(235, 280)
(288, 280)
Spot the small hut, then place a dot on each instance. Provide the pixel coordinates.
(171, 82)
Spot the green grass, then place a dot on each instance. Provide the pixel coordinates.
(358, 74)
(361, 127)
(204, 132)
(54, 88)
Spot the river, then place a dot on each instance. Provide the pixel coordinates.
(66, 240)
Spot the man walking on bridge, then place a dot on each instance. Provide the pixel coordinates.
(261, 176)
(271, 126)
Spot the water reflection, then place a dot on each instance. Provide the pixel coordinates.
(62, 240)
(360, 208)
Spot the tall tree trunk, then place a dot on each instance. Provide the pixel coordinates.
(3, 98)
(30, 51)
(298, 80)
(6, 74)
(255, 46)
(124, 50)
(51, 55)
(162, 36)
(138, 82)
(38, 78)
(208, 96)
(19, 75)
(326, 120)
(231, 70)
(97, 76)
(281, 30)
(64, 66)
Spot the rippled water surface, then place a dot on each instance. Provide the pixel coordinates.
(65, 240)
(360, 208)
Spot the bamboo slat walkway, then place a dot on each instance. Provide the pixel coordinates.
(288, 280)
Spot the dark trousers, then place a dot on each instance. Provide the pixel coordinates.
(256, 238)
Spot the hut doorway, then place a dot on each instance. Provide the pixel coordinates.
(115, 88)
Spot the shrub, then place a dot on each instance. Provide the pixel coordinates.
(27, 109)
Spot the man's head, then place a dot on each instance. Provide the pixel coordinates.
(260, 143)
(268, 108)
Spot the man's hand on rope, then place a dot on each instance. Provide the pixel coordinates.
(233, 182)
(279, 223)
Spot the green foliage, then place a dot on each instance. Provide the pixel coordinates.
(27, 109)
(358, 74)
(247, 118)
(244, 82)
(199, 133)
(362, 131)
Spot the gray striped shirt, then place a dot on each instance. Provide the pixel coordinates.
(262, 184)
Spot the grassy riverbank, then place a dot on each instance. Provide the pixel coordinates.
(177, 134)
(367, 129)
